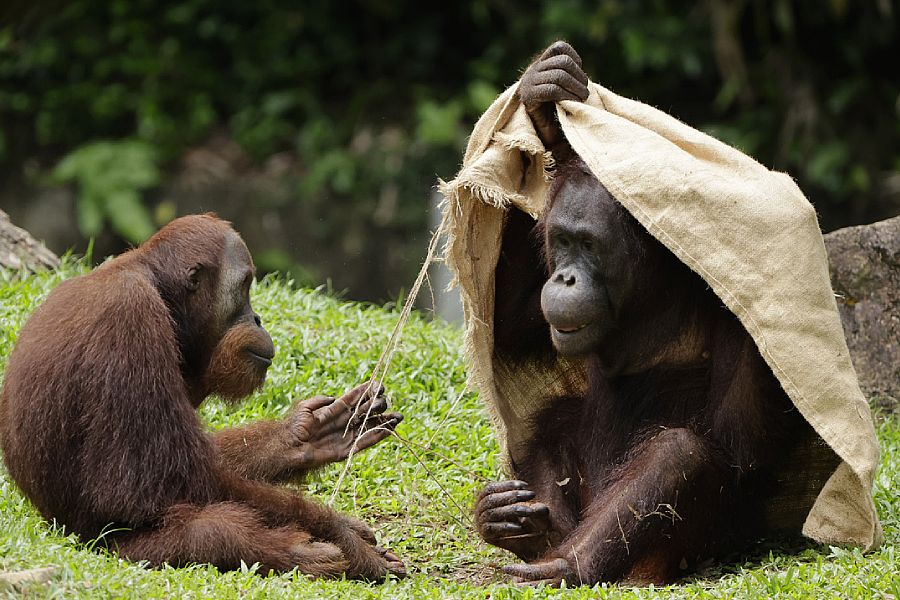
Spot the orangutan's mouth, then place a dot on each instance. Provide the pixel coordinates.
(261, 359)
(570, 329)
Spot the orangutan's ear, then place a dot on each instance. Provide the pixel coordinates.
(194, 275)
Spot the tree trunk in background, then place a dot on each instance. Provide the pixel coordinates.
(19, 250)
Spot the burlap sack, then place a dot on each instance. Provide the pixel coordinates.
(749, 232)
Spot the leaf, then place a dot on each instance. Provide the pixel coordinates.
(89, 215)
(827, 164)
(481, 94)
(128, 216)
(439, 124)
(67, 168)
(110, 176)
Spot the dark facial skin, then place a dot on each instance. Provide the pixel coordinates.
(98, 427)
(234, 292)
(244, 350)
(590, 277)
(670, 453)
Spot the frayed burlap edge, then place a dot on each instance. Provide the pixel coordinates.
(476, 202)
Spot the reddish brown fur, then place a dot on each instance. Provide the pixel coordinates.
(664, 464)
(674, 451)
(99, 429)
(236, 378)
(684, 446)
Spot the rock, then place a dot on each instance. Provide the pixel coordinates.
(865, 273)
(14, 580)
(19, 250)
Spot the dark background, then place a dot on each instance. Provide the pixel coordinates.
(320, 128)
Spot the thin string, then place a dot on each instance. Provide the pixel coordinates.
(387, 354)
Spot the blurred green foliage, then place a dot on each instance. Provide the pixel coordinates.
(111, 176)
(375, 98)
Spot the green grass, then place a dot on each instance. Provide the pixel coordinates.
(420, 495)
